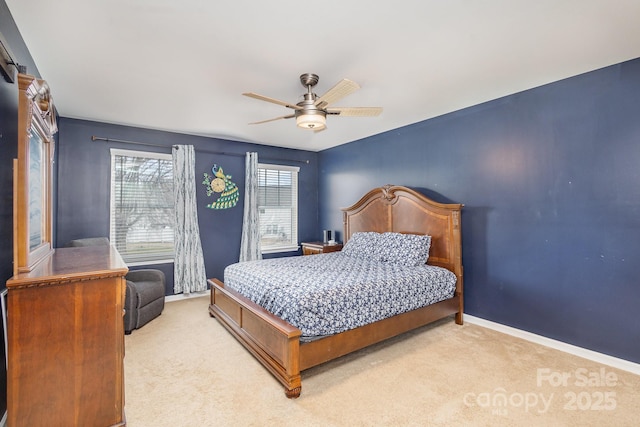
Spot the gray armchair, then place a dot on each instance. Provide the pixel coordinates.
(144, 299)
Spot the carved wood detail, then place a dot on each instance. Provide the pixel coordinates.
(36, 119)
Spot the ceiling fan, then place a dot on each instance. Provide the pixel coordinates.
(311, 112)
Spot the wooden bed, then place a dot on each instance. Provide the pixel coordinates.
(275, 343)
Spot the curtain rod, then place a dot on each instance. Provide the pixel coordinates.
(223, 153)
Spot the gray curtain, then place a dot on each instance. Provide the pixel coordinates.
(189, 273)
(250, 243)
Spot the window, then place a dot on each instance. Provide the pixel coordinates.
(142, 206)
(278, 204)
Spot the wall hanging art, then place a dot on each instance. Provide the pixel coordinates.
(221, 183)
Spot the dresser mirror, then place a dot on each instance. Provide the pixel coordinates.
(33, 174)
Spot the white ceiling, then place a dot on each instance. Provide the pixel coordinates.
(182, 65)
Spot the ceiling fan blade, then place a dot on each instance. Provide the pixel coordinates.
(339, 91)
(355, 111)
(290, 116)
(272, 100)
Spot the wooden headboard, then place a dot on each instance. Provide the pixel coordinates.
(403, 210)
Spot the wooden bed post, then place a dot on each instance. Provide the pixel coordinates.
(457, 262)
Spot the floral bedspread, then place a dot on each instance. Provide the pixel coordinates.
(329, 293)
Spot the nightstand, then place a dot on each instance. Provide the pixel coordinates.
(314, 248)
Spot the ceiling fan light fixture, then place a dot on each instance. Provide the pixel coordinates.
(313, 121)
(311, 112)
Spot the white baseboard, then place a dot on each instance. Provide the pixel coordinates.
(594, 356)
(180, 297)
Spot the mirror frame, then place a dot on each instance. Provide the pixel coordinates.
(33, 174)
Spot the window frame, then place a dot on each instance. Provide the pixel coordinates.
(159, 258)
(295, 245)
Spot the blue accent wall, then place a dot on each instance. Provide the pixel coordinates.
(550, 180)
(84, 186)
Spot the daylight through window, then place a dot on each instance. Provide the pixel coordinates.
(278, 204)
(142, 205)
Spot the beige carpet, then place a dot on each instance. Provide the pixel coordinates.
(184, 369)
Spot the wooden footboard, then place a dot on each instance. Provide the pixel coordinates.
(274, 342)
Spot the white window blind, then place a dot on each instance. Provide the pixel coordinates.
(278, 204)
(142, 205)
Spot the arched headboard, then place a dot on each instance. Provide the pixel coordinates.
(403, 210)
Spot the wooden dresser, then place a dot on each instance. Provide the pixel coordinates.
(66, 340)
